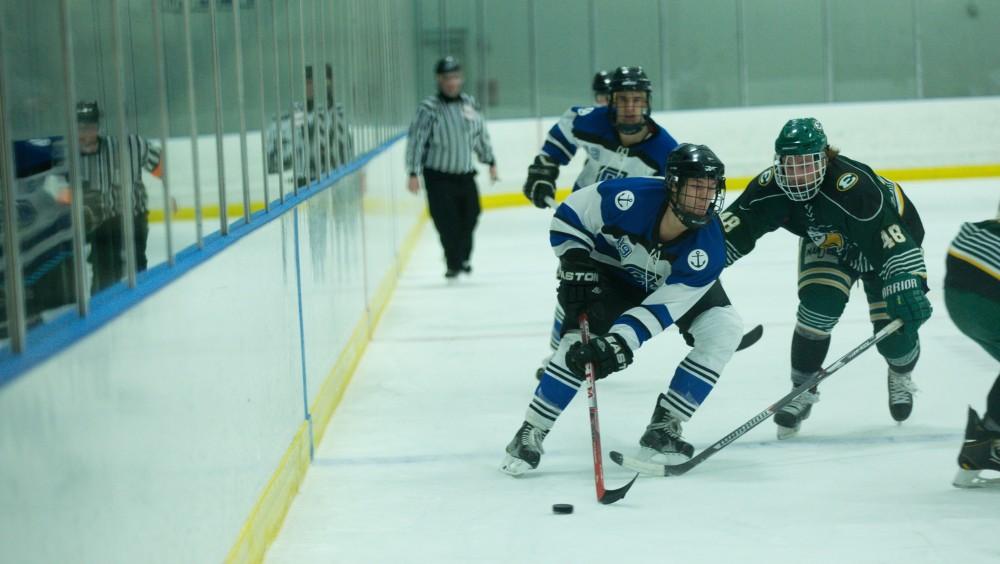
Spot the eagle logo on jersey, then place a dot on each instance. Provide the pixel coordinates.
(698, 259)
(765, 177)
(846, 181)
(624, 200)
(826, 240)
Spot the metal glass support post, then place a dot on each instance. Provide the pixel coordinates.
(73, 159)
(241, 107)
(125, 173)
(220, 156)
(193, 120)
(161, 86)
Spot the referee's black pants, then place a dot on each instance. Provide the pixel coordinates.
(107, 250)
(453, 200)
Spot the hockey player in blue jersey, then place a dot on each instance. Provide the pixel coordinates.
(638, 255)
(620, 140)
(602, 88)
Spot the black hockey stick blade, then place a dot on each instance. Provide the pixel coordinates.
(611, 496)
(748, 340)
(651, 468)
(751, 337)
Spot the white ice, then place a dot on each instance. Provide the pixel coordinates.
(408, 469)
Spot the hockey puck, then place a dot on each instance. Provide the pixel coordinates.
(562, 508)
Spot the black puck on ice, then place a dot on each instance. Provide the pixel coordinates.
(562, 508)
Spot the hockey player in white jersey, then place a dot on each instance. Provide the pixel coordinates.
(638, 255)
(620, 140)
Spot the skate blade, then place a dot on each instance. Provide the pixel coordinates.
(787, 432)
(971, 479)
(514, 466)
(647, 454)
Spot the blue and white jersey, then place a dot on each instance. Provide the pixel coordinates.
(617, 223)
(591, 129)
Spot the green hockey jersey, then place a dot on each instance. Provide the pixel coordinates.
(860, 217)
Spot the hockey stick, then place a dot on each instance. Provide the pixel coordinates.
(604, 496)
(751, 337)
(678, 469)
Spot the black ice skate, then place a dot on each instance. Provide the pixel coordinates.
(980, 451)
(789, 418)
(524, 451)
(662, 442)
(901, 389)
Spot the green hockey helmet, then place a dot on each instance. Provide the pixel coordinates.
(800, 158)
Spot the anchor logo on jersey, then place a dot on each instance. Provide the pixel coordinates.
(624, 200)
(698, 259)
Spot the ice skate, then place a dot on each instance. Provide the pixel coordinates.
(980, 451)
(789, 418)
(662, 442)
(901, 390)
(524, 451)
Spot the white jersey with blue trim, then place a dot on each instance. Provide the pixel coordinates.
(617, 223)
(592, 130)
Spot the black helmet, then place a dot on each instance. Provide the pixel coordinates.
(689, 161)
(87, 112)
(602, 82)
(630, 78)
(446, 65)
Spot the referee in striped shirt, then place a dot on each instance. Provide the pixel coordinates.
(447, 129)
(102, 181)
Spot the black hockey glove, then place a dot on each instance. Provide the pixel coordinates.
(905, 299)
(541, 181)
(608, 354)
(579, 284)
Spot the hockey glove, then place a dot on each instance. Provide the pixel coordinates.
(541, 181)
(579, 285)
(608, 354)
(905, 299)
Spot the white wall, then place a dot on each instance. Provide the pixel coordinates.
(895, 134)
(899, 134)
(151, 439)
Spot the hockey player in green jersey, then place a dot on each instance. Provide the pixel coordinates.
(853, 224)
(972, 296)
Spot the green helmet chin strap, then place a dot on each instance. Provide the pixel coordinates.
(800, 158)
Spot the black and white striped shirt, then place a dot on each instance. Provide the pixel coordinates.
(445, 133)
(100, 175)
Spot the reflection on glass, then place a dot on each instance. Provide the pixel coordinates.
(103, 184)
(42, 199)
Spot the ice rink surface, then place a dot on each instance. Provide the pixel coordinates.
(408, 469)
